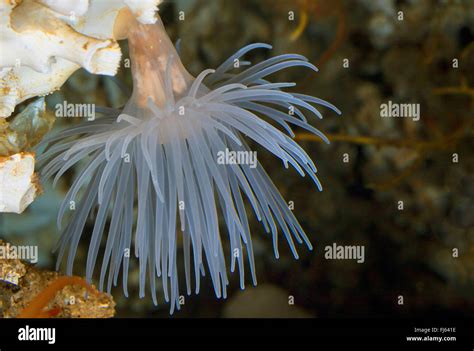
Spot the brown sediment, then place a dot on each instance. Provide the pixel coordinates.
(29, 292)
(10, 157)
(37, 184)
(37, 305)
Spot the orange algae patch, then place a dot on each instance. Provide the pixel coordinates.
(36, 306)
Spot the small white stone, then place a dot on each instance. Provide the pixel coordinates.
(18, 182)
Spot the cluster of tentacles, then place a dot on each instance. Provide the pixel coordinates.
(162, 161)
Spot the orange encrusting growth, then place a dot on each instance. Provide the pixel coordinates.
(49, 313)
(36, 306)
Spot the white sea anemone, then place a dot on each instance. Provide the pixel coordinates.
(159, 155)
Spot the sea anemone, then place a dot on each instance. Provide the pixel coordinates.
(160, 154)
